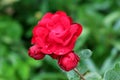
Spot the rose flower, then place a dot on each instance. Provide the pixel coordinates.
(55, 35)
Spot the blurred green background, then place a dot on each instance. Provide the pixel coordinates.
(101, 34)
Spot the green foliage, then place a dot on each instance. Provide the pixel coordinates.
(10, 30)
(114, 73)
(93, 76)
(72, 75)
(101, 34)
(86, 53)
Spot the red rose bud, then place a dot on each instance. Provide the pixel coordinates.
(35, 53)
(69, 61)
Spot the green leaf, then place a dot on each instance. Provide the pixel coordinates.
(93, 76)
(116, 44)
(109, 61)
(114, 73)
(117, 26)
(34, 63)
(72, 75)
(108, 21)
(82, 67)
(86, 64)
(91, 65)
(84, 54)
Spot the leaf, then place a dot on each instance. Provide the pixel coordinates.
(84, 54)
(117, 26)
(33, 63)
(116, 44)
(109, 61)
(108, 21)
(86, 64)
(114, 73)
(91, 65)
(82, 67)
(93, 76)
(72, 75)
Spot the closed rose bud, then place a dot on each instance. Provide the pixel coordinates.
(69, 61)
(35, 53)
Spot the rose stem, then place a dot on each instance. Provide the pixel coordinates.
(81, 76)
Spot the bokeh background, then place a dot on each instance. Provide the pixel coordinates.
(101, 34)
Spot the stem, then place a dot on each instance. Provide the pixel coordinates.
(80, 75)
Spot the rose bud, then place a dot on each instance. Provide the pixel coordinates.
(69, 61)
(35, 53)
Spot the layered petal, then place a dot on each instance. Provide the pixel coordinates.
(40, 31)
(61, 13)
(55, 35)
(47, 15)
(76, 29)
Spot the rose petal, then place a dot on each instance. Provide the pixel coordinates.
(47, 15)
(40, 31)
(50, 25)
(45, 50)
(55, 18)
(60, 50)
(76, 29)
(65, 21)
(44, 22)
(39, 41)
(53, 38)
(61, 13)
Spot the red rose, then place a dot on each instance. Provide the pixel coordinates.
(69, 61)
(35, 53)
(56, 33)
